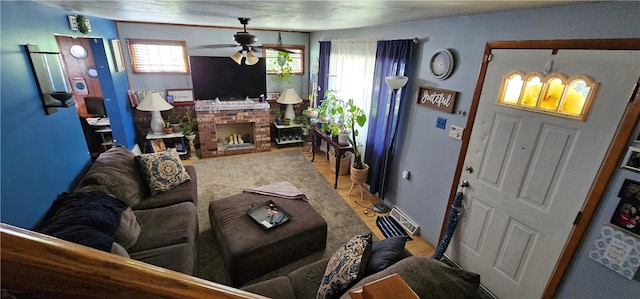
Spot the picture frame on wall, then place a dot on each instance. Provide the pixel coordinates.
(118, 57)
(627, 213)
(182, 96)
(632, 159)
(273, 96)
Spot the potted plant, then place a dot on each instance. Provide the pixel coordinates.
(279, 115)
(186, 126)
(359, 169)
(167, 129)
(283, 65)
(174, 119)
(331, 113)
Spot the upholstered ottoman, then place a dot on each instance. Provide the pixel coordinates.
(249, 250)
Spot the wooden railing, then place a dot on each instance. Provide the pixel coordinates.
(44, 265)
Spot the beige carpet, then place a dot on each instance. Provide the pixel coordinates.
(222, 177)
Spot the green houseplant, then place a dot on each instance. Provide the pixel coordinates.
(283, 66)
(186, 127)
(355, 115)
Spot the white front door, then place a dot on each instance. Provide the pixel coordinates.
(531, 172)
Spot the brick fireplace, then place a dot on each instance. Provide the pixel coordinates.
(221, 125)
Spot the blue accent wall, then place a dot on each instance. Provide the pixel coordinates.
(44, 155)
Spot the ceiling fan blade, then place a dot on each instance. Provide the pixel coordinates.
(216, 46)
(274, 48)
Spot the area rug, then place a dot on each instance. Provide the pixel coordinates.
(225, 176)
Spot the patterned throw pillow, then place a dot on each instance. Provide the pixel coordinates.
(163, 170)
(345, 267)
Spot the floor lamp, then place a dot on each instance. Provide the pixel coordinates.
(395, 83)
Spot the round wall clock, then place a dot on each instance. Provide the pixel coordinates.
(442, 63)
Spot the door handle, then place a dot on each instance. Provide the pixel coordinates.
(464, 184)
(469, 169)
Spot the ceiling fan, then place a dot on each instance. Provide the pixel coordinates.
(245, 41)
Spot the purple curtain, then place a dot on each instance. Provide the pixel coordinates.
(323, 69)
(393, 58)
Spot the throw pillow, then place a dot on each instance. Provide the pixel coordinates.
(384, 253)
(345, 267)
(163, 170)
(128, 231)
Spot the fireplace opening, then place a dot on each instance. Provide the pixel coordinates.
(235, 136)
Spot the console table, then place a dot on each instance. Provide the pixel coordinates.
(340, 148)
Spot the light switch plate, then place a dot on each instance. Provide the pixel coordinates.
(455, 132)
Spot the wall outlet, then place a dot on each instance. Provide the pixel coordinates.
(455, 132)
(441, 123)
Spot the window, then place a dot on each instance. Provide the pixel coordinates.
(555, 94)
(158, 56)
(297, 56)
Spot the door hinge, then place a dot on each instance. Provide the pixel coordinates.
(575, 221)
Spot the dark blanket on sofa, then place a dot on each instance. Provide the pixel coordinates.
(87, 218)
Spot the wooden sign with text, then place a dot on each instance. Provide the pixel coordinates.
(438, 99)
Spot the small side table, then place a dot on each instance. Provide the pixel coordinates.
(291, 134)
(340, 148)
(158, 142)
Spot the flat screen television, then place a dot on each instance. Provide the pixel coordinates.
(95, 107)
(221, 77)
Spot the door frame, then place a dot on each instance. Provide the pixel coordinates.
(616, 150)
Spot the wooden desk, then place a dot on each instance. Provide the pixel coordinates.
(340, 148)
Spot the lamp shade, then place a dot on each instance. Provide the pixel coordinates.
(237, 57)
(396, 82)
(289, 96)
(251, 58)
(153, 101)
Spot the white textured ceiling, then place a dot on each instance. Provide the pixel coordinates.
(300, 15)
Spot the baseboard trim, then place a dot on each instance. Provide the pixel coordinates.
(482, 291)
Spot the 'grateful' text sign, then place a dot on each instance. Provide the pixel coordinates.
(439, 99)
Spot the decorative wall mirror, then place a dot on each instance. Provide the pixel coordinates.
(51, 79)
(78, 51)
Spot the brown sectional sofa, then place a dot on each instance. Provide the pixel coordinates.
(427, 277)
(168, 221)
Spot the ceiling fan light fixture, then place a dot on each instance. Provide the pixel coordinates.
(251, 58)
(237, 57)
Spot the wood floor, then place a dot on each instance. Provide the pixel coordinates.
(362, 207)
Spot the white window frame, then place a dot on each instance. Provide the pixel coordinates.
(162, 57)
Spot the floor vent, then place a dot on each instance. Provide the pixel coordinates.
(403, 220)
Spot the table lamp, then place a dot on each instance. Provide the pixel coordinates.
(289, 96)
(153, 101)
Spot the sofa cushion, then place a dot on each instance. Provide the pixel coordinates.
(187, 191)
(384, 253)
(129, 229)
(176, 257)
(116, 172)
(279, 287)
(163, 170)
(345, 267)
(166, 226)
(429, 278)
(306, 279)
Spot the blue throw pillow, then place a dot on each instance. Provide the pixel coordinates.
(384, 253)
